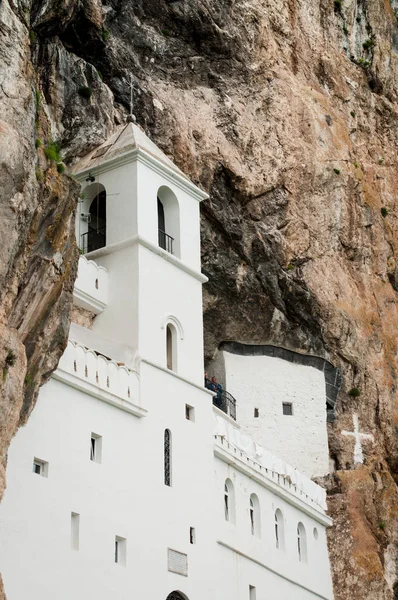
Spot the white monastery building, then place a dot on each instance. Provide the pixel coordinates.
(131, 479)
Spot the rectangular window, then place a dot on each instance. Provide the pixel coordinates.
(192, 535)
(189, 413)
(120, 550)
(74, 530)
(252, 592)
(40, 467)
(287, 408)
(96, 448)
(256, 413)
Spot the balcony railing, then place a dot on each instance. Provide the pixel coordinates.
(93, 239)
(165, 241)
(222, 399)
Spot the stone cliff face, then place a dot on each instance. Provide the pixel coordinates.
(286, 112)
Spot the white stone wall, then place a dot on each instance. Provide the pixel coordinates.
(265, 382)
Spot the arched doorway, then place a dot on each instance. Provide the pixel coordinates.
(95, 236)
(176, 596)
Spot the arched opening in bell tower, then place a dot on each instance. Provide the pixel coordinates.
(168, 221)
(171, 347)
(94, 236)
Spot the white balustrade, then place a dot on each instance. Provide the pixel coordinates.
(305, 489)
(91, 286)
(100, 373)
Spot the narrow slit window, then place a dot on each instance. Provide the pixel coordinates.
(252, 516)
(252, 592)
(120, 550)
(40, 467)
(75, 531)
(226, 502)
(189, 413)
(287, 408)
(256, 413)
(96, 448)
(192, 535)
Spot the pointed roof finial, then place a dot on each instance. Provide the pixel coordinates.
(131, 118)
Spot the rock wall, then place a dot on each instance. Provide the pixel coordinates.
(286, 112)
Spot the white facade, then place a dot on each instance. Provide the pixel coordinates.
(261, 385)
(95, 506)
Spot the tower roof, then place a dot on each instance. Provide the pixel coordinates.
(125, 139)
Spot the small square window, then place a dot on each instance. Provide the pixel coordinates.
(287, 408)
(120, 550)
(256, 413)
(189, 413)
(192, 535)
(40, 467)
(96, 448)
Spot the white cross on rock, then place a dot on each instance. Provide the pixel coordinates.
(358, 454)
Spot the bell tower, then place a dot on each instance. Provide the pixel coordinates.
(139, 217)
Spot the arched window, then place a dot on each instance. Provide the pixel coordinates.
(254, 511)
(171, 347)
(301, 543)
(97, 223)
(167, 457)
(92, 222)
(279, 530)
(168, 221)
(229, 501)
(176, 596)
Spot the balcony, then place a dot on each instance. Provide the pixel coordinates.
(98, 376)
(222, 399)
(93, 239)
(91, 286)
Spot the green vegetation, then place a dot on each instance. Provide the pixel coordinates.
(28, 379)
(369, 44)
(338, 5)
(166, 32)
(354, 392)
(106, 34)
(382, 525)
(384, 211)
(39, 175)
(85, 92)
(32, 36)
(290, 267)
(362, 62)
(381, 160)
(356, 165)
(10, 358)
(37, 143)
(61, 168)
(345, 30)
(52, 152)
(337, 171)
(353, 114)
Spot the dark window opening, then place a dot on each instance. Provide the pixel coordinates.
(256, 413)
(287, 408)
(95, 237)
(167, 457)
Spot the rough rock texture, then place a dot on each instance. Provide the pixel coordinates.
(286, 112)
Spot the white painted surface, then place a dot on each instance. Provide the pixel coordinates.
(266, 382)
(123, 497)
(91, 286)
(358, 437)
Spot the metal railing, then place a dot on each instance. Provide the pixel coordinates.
(165, 241)
(222, 399)
(93, 239)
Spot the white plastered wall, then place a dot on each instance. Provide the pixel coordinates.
(266, 382)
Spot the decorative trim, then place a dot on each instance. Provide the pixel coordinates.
(261, 564)
(184, 379)
(91, 390)
(155, 164)
(174, 321)
(138, 239)
(87, 301)
(275, 488)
